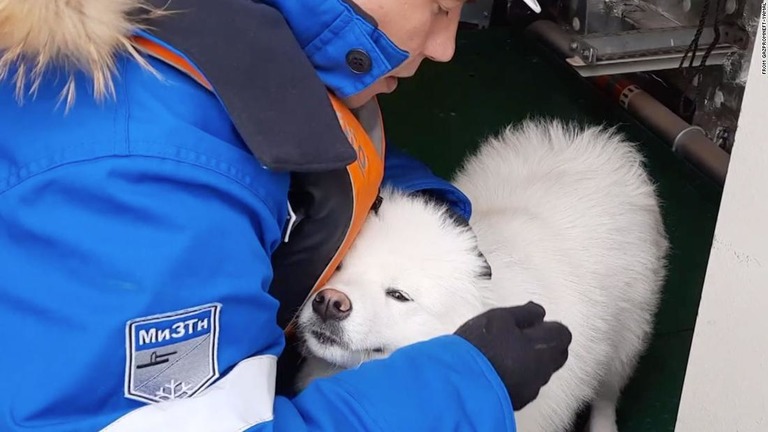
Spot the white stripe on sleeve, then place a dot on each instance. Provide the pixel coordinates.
(243, 398)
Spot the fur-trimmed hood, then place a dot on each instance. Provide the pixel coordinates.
(78, 35)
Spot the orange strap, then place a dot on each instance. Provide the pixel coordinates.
(156, 50)
(366, 173)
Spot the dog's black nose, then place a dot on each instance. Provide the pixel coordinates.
(331, 305)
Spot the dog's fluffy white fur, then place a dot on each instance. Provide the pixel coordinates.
(565, 215)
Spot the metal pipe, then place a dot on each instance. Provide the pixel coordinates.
(553, 35)
(687, 141)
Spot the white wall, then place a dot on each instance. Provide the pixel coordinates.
(726, 384)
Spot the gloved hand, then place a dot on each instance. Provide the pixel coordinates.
(524, 350)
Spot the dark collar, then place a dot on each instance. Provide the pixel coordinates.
(264, 80)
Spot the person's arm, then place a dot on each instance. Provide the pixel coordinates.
(446, 383)
(104, 262)
(436, 385)
(441, 384)
(408, 174)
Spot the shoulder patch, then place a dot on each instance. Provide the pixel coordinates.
(173, 355)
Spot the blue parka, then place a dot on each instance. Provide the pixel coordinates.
(135, 243)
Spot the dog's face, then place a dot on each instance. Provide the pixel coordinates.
(413, 273)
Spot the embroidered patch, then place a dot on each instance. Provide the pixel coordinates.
(173, 355)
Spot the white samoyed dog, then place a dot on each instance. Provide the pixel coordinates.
(563, 215)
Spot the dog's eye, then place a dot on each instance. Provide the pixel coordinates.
(398, 295)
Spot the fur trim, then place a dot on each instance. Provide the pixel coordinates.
(78, 35)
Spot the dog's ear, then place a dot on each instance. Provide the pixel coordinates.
(486, 272)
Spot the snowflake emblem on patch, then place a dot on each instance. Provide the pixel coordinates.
(172, 356)
(173, 390)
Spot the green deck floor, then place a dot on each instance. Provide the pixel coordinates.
(498, 77)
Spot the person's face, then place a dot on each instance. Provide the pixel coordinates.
(423, 28)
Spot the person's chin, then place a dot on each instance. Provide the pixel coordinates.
(383, 86)
(390, 84)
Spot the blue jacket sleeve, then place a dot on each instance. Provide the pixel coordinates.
(406, 173)
(438, 385)
(131, 280)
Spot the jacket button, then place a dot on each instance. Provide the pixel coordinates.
(358, 60)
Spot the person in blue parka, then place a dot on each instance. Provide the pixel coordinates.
(176, 177)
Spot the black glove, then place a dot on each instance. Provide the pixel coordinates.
(524, 350)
